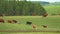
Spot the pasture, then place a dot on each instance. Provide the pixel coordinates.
(52, 22)
(52, 9)
(29, 33)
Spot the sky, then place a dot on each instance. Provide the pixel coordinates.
(46, 0)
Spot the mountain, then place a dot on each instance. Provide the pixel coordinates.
(41, 2)
(55, 4)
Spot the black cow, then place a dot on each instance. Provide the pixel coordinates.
(28, 22)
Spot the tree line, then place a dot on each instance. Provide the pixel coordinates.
(21, 8)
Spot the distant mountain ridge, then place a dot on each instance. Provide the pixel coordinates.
(43, 3)
(56, 3)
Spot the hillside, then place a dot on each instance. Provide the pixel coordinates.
(52, 10)
(53, 23)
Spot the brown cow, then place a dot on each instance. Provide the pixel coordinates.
(34, 27)
(45, 15)
(2, 15)
(44, 26)
(58, 14)
(33, 14)
(2, 20)
(12, 21)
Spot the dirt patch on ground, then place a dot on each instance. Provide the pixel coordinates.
(26, 31)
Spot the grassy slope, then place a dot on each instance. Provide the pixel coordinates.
(53, 23)
(52, 9)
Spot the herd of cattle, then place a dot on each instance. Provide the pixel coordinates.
(34, 26)
(28, 22)
(44, 15)
(9, 21)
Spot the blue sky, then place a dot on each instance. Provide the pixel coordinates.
(47, 0)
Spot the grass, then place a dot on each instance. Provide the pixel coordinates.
(53, 23)
(52, 9)
(29, 33)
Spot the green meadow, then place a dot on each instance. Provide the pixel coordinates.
(52, 22)
(52, 9)
(29, 33)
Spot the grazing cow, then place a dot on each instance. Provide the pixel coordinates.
(2, 20)
(2, 15)
(34, 27)
(28, 22)
(12, 21)
(33, 15)
(45, 15)
(58, 14)
(44, 26)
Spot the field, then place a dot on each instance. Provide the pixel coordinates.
(53, 23)
(52, 9)
(29, 33)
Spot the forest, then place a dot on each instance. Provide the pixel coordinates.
(21, 8)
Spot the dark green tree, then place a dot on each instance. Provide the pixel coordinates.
(22, 8)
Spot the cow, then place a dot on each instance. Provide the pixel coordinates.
(58, 14)
(9, 21)
(34, 27)
(33, 14)
(28, 23)
(44, 26)
(1, 20)
(45, 15)
(12, 21)
(2, 15)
